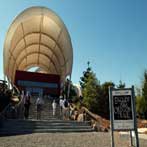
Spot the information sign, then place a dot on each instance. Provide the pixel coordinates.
(123, 113)
(122, 108)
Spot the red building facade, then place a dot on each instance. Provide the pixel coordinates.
(38, 84)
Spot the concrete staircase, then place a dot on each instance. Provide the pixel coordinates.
(46, 113)
(14, 127)
(47, 123)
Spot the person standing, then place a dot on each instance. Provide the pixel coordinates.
(65, 109)
(71, 110)
(26, 105)
(39, 104)
(61, 103)
(54, 107)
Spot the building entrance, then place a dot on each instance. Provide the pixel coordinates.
(38, 84)
(34, 91)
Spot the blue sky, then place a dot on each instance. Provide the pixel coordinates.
(111, 34)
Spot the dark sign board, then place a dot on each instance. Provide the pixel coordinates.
(123, 112)
(122, 106)
(122, 109)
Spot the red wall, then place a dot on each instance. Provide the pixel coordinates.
(38, 77)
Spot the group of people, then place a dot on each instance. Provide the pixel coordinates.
(39, 106)
(27, 102)
(67, 110)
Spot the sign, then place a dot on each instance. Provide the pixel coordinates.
(123, 112)
(122, 109)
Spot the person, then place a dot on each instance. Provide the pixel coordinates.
(71, 112)
(65, 109)
(39, 104)
(54, 107)
(76, 114)
(13, 110)
(65, 103)
(61, 103)
(26, 105)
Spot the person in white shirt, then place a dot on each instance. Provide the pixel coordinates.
(54, 107)
(61, 103)
(39, 103)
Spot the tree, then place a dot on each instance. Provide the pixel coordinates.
(105, 99)
(90, 93)
(140, 106)
(84, 78)
(121, 84)
(144, 92)
(89, 85)
(95, 96)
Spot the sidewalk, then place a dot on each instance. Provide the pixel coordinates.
(92, 139)
(141, 133)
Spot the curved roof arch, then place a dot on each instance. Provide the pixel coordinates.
(38, 37)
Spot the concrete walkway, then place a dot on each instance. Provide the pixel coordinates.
(141, 133)
(93, 139)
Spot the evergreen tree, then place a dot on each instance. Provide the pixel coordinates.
(121, 84)
(105, 99)
(84, 78)
(90, 92)
(144, 93)
(95, 96)
(89, 85)
(140, 106)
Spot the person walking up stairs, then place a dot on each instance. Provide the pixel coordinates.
(39, 104)
(54, 107)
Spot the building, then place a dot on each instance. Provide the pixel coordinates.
(37, 38)
(38, 84)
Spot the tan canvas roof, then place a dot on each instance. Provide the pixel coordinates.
(38, 37)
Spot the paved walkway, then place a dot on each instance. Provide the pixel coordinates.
(94, 139)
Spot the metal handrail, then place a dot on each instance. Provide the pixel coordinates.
(19, 107)
(16, 106)
(14, 87)
(6, 109)
(15, 92)
(2, 114)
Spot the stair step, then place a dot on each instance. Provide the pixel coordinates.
(11, 121)
(18, 128)
(14, 126)
(45, 131)
(48, 123)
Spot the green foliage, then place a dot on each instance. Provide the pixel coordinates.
(104, 101)
(141, 98)
(85, 77)
(90, 91)
(95, 96)
(140, 106)
(121, 84)
(144, 93)
(89, 85)
(144, 88)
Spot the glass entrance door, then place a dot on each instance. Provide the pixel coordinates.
(35, 91)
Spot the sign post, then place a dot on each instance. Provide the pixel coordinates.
(123, 112)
